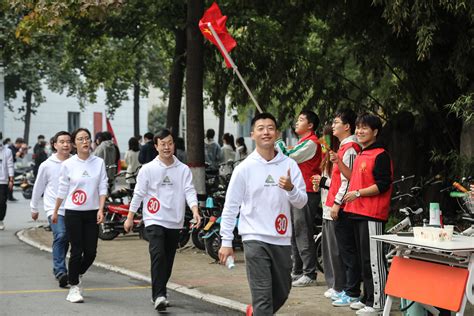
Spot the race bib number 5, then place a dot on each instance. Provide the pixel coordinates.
(153, 205)
(79, 197)
(281, 224)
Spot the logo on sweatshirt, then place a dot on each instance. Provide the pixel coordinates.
(269, 182)
(85, 174)
(167, 181)
(363, 167)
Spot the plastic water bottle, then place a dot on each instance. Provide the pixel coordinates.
(210, 202)
(229, 263)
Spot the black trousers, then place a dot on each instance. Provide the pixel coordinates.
(162, 247)
(3, 200)
(346, 241)
(372, 261)
(83, 232)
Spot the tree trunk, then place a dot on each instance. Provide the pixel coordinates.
(176, 82)
(28, 97)
(221, 118)
(194, 99)
(136, 105)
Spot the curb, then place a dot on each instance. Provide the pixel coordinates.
(214, 299)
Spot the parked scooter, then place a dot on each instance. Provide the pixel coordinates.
(27, 182)
(116, 212)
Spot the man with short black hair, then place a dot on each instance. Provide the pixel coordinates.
(164, 185)
(18, 151)
(212, 150)
(263, 187)
(368, 205)
(148, 150)
(307, 154)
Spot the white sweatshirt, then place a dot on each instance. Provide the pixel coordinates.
(6, 164)
(81, 182)
(46, 183)
(164, 191)
(348, 159)
(264, 206)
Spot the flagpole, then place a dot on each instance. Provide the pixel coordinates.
(226, 54)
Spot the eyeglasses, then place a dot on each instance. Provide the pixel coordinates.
(83, 139)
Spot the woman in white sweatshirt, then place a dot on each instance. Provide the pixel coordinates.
(83, 186)
(46, 185)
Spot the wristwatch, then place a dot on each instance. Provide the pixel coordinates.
(357, 193)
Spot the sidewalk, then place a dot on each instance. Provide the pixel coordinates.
(195, 273)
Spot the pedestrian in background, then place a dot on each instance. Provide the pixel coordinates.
(83, 186)
(131, 159)
(39, 156)
(263, 188)
(148, 150)
(241, 152)
(6, 179)
(307, 153)
(212, 150)
(46, 185)
(18, 151)
(164, 185)
(228, 147)
(107, 151)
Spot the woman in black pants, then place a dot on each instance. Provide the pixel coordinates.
(83, 186)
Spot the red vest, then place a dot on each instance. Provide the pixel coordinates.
(312, 166)
(336, 173)
(377, 206)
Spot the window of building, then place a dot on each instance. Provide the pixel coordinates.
(73, 121)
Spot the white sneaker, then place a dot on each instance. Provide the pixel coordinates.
(167, 303)
(295, 277)
(2, 226)
(369, 311)
(329, 292)
(74, 295)
(303, 281)
(160, 303)
(357, 305)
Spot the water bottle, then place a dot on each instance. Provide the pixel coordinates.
(229, 263)
(210, 202)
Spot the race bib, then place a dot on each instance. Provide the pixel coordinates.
(153, 205)
(79, 197)
(281, 224)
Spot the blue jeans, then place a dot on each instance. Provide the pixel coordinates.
(60, 246)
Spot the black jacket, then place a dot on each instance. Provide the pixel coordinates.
(147, 153)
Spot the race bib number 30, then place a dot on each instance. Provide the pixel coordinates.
(153, 205)
(79, 197)
(281, 224)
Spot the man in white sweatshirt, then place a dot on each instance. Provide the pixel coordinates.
(165, 186)
(46, 185)
(263, 188)
(6, 179)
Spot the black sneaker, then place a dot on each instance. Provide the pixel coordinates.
(12, 199)
(63, 280)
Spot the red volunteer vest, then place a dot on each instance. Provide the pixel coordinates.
(336, 173)
(312, 166)
(377, 206)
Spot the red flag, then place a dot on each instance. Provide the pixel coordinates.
(217, 20)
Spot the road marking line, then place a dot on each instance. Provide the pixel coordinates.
(86, 289)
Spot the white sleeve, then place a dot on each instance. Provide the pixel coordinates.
(11, 171)
(140, 190)
(103, 184)
(298, 197)
(189, 190)
(348, 160)
(63, 185)
(233, 200)
(38, 188)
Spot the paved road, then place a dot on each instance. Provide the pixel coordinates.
(27, 286)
